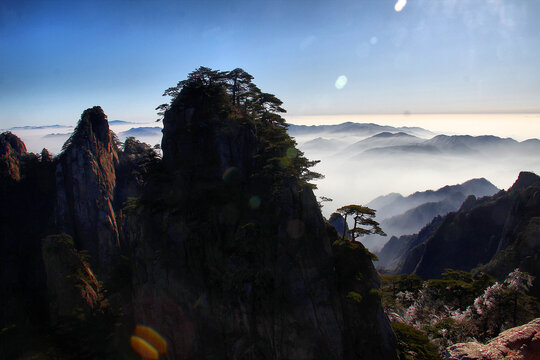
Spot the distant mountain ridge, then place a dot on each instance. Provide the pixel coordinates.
(394, 204)
(381, 140)
(142, 131)
(358, 129)
(487, 145)
(399, 215)
(35, 127)
(500, 231)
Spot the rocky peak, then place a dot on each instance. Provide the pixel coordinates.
(93, 127)
(85, 179)
(10, 142)
(246, 242)
(468, 204)
(524, 180)
(338, 222)
(11, 150)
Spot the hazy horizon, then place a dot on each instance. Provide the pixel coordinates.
(359, 178)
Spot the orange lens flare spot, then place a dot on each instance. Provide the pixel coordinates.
(152, 337)
(144, 349)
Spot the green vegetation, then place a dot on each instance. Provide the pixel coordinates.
(413, 344)
(354, 296)
(460, 306)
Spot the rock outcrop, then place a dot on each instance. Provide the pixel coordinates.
(11, 151)
(338, 222)
(224, 250)
(235, 261)
(27, 193)
(522, 342)
(86, 179)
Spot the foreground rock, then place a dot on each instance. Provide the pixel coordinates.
(522, 342)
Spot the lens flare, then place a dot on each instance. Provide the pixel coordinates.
(143, 348)
(400, 4)
(152, 337)
(341, 82)
(231, 174)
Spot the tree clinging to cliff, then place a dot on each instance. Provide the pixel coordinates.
(364, 223)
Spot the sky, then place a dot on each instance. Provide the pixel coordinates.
(58, 58)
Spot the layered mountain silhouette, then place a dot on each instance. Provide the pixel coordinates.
(354, 129)
(390, 205)
(456, 145)
(494, 233)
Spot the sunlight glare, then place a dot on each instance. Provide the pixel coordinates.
(400, 4)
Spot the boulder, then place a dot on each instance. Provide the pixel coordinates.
(519, 343)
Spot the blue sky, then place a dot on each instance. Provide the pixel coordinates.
(58, 58)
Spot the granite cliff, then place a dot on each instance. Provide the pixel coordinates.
(239, 252)
(220, 247)
(85, 182)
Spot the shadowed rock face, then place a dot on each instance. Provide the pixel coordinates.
(201, 147)
(221, 265)
(221, 278)
(71, 285)
(27, 193)
(522, 342)
(85, 178)
(498, 231)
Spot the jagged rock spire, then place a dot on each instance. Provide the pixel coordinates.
(85, 179)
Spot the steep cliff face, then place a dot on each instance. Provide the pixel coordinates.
(71, 285)
(519, 245)
(203, 146)
(85, 178)
(226, 252)
(401, 253)
(27, 194)
(234, 261)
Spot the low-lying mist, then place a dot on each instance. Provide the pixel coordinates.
(359, 177)
(363, 161)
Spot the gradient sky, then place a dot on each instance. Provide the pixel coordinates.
(58, 58)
